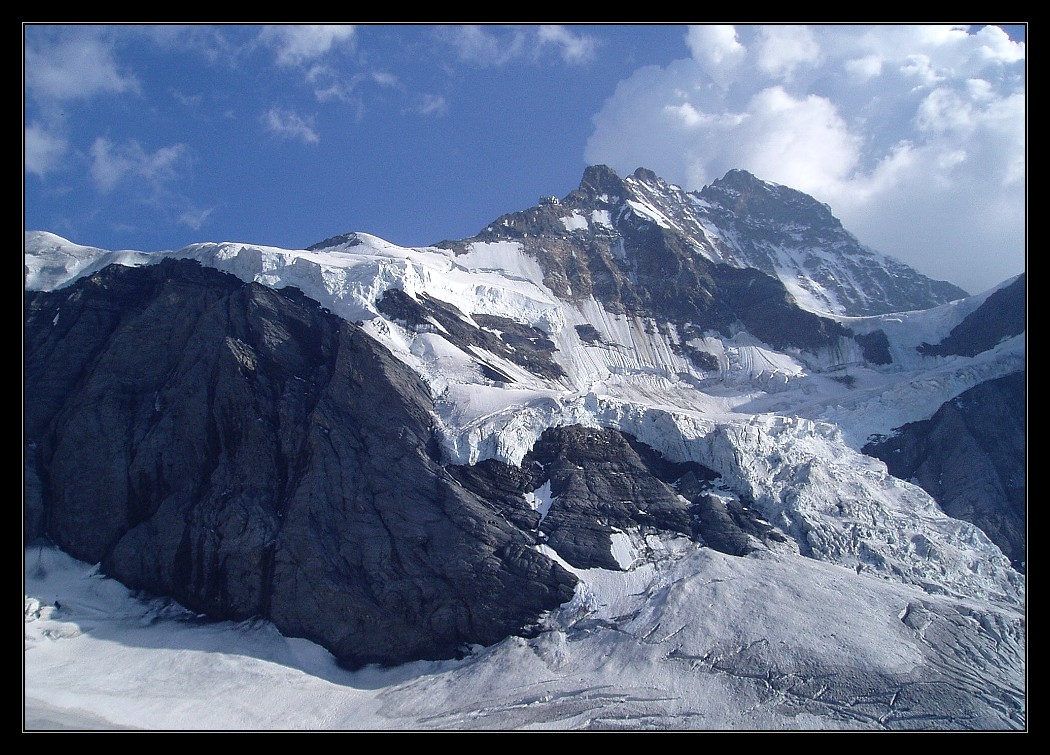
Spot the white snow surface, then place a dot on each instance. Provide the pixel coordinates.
(782, 429)
(670, 644)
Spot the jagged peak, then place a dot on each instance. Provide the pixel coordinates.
(344, 239)
(647, 176)
(600, 180)
(740, 190)
(743, 182)
(741, 177)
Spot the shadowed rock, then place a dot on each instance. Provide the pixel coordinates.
(247, 453)
(970, 456)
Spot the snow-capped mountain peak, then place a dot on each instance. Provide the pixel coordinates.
(577, 397)
(740, 221)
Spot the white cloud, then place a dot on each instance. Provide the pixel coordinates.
(289, 125)
(715, 44)
(920, 68)
(302, 44)
(782, 49)
(113, 164)
(717, 49)
(498, 46)
(195, 218)
(309, 47)
(574, 48)
(914, 135)
(995, 44)
(214, 43)
(188, 101)
(646, 123)
(864, 68)
(77, 68)
(432, 104)
(384, 79)
(803, 143)
(43, 151)
(330, 85)
(476, 44)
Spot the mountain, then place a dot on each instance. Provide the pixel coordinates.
(232, 468)
(641, 243)
(555, 440)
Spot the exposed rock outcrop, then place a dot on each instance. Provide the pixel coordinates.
(970, 456)
(245, 452)
(787, 233)
(596, 483)
(1002, 315)
(634, 264)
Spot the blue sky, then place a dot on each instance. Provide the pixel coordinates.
(155, 137)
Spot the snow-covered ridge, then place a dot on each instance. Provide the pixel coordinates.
(781, 429)
(600, 351)
(610, 354)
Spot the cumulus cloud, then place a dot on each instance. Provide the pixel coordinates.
(804, 138)
(715, 45)
(289, 125)
(782, 49)
(42, 151)
(113, 164)
(865, 67)
(914, 135)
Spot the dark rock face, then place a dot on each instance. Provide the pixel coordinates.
(588, 333)
(1002, 315)
(875, 346)
(767, 311)
(601, 182)
(635, 263)
(524, 345)
(600, 482)
(249, 454)
(970, 456)
(344, 238)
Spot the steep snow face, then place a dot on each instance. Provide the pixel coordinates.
(743, 221)
(782, 429)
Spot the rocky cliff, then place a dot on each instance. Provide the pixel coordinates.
(256, 456)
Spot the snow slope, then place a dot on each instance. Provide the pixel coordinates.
(688, 639)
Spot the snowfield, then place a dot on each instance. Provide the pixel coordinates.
(688, 639)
